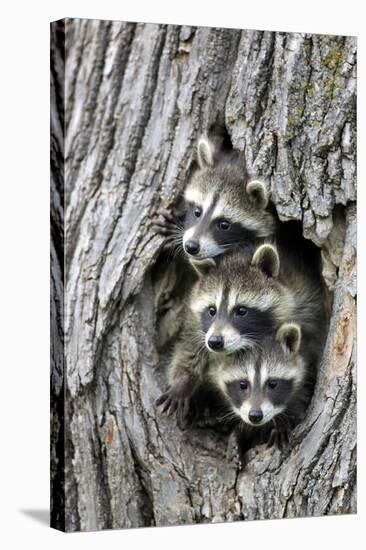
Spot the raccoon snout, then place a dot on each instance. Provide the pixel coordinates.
(216, 342)
(192, 247)
(255, 416)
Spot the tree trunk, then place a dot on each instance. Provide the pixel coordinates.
(128, 103)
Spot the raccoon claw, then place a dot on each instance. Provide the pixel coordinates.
(173, 407)
(162, 398)
(280, 438)
(271, 439)
(166, 215)
(173, 404)
(167, 402)
(179, 406)
(166, 406)
(186, 415)
(184, 408)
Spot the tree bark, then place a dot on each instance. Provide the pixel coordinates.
(128, 102)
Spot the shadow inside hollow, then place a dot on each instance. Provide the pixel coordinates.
(42, 516)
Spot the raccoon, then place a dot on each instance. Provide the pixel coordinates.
(232, 307)
(268, 389)
(224, 207)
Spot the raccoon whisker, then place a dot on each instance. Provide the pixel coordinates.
(174, 251)
(177, 251)
(200, 340)
(238, 344)
(233, 346)
(197, 340)
(200, 347)
(232, 243)
(226, 245)
(172, 245)
(227, 416)
(242, 425)
(174, 237)
(177, 224)
(198, 336)
(178, 230)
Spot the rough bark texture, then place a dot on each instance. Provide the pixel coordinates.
(135, 98)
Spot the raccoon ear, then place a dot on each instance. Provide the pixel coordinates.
(257, 192)
(205, 153)
(289, 336)
(266, 258)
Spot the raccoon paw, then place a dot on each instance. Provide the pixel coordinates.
(233, 452)
(279, 437)
(186, 416)
(165, 223)
(173, 401)
(242, 459)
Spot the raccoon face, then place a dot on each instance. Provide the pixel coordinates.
(239, 304)
(260, 385)
(232, 325)
(223, 210)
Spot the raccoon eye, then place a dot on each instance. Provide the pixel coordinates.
(212, 311)
(224, 225)
(197, 211)
(272, 384)
(243, 384)
(241, 311)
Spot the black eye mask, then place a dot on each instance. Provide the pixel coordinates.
(237, 395)
(236, 234)
(277, 396)
(281, 393)
(254, 324)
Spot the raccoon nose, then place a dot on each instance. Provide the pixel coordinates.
(216, 342)
(192, 247)
(255, 416)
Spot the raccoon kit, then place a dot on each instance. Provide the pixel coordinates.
(224, 208)
(268, 389)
